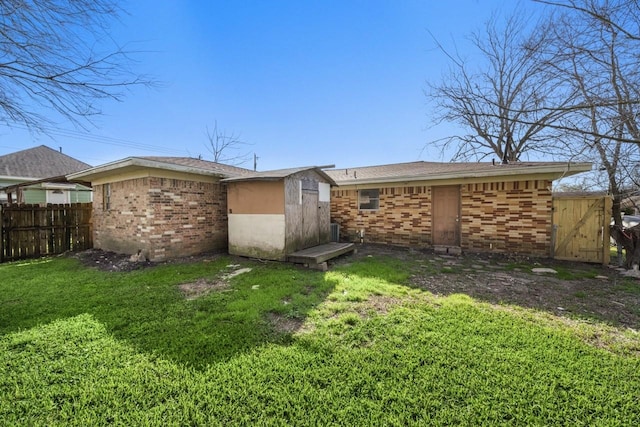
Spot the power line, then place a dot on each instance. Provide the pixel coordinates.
(66, 133)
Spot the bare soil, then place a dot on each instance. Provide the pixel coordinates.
(111, 261)
(202, 287)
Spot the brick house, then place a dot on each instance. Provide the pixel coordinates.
(450, 206)
(166, 207)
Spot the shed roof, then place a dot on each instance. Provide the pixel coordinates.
(277, 174)
(39, 162)
(427, 171)
(177, 164)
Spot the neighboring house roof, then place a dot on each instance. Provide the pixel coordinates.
(176, 164)
(433, 171)
(277, 174)
(38, 162)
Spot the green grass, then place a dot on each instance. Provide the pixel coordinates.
(567, 274)
(145, 307)
(82, 347)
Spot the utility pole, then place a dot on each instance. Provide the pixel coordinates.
(255, 162)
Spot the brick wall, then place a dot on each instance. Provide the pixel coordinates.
(404, 217)
(501, 216)
(165, 218)
(507, 217)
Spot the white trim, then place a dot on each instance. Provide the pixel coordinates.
(560, 170)
(17, 178)
(58, 186)
(136, 162)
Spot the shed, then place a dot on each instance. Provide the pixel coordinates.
(274, 213)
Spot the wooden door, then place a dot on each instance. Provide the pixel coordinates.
(445, 215)
(581, 228)
(310, 219)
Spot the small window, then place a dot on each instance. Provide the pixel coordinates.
(369, 200)
(106, 197)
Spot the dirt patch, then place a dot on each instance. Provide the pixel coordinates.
(201, 287)
(109, 261)
(283, 324)
(112, 261)
(380, 304)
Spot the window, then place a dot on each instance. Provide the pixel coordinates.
(369, 200)
(106, 197)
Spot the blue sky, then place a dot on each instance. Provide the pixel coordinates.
(305, 82)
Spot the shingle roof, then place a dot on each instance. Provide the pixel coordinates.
(433, 170)
(179, 164)
(226, 170)
(277, 174)
(39, 162)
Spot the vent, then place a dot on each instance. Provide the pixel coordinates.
(335, 232)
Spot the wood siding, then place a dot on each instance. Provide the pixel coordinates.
(307, 218)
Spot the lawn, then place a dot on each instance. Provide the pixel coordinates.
(280, 345)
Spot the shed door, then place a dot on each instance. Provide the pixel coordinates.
(445, 215)
(310, 220)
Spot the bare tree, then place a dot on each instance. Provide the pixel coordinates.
(626, 12)
(226, 147)
(57, 56)
(500, 102)
(599, 60)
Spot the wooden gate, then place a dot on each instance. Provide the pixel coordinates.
(581, 228)
(32, 231)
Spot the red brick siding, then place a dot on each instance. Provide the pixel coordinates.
(166, 218)
(499, 216)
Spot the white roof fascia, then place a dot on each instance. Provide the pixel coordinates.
(574, 168)
(145, 163)
(58, 186)
(18, 178)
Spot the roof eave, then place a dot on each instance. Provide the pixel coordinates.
(132, 162)
(317, 169)
(556, 171)
(17, 178)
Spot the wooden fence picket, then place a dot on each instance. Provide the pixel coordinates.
(33, 231)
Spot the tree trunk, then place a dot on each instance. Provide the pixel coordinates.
(629, 239)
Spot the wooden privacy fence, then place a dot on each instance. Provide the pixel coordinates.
(581, 228)
(32, 231)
